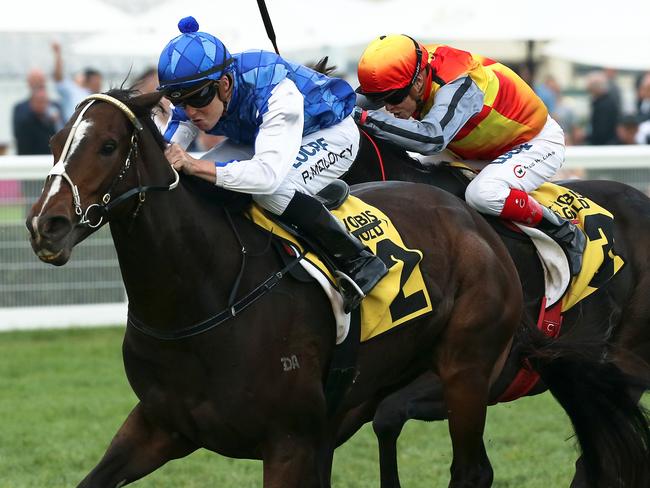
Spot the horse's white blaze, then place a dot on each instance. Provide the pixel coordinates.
(57, 170)
(79, 135)
(35, 227)
(55, 187)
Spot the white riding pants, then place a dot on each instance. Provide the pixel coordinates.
(324, 156)
(524, 167)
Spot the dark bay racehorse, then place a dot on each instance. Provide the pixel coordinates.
(617, 316)
(213, 326)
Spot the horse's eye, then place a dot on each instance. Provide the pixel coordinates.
(108, 148)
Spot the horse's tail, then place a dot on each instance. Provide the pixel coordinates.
(611, 427)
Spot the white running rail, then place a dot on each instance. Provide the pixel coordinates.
(88, 291)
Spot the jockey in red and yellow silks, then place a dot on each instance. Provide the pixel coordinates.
(511, 115)
(437, 97)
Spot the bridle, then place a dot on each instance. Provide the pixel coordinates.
(107, 202)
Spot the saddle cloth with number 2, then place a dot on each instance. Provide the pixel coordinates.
(398, 298)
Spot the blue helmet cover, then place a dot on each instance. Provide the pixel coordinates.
(192, 57)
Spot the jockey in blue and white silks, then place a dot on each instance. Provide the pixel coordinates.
(265, 86)
(289, 134)
(257, 74)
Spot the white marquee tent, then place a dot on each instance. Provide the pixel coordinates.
(241, 28)
(337, 24)
(63, 16)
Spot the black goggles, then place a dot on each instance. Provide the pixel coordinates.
(194, 97)
(392, 97)
(397, 96)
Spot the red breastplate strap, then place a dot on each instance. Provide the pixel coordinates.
(549, 322)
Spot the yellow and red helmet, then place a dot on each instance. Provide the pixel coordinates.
(389, 66)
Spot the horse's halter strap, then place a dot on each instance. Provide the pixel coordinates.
(106, 205)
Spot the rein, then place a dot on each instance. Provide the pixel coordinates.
(106, 205)
(380, 160)
(234, 307)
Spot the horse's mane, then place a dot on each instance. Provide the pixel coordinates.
(203, 189)
(208, 192)
(321, 67)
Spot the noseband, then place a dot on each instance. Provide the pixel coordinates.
(106, 205)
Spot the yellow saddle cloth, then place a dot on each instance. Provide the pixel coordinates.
(401, 295)
(600, 262)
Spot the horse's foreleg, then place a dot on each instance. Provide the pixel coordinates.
(291, 462)
(420, 400)
(476, 339)
(343, 426)
(138, 448)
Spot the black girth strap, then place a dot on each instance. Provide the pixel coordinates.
(218, 319)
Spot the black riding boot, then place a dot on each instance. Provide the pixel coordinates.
(360, 269)
(567, 234)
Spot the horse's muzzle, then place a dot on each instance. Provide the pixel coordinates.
(50, 237)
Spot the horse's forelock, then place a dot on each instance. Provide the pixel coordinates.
(144, 114)
(122, 94)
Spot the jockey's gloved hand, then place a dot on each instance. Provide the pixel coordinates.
(359, 115)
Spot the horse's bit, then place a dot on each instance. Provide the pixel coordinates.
(59, 167)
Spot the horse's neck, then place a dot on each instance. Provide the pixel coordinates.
(177, 260)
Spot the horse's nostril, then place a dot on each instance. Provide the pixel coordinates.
(54, 228)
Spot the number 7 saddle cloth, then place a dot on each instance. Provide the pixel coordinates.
(600, 261)
(398, 298)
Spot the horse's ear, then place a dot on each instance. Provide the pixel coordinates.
(143, 104)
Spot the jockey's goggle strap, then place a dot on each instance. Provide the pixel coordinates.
(397, 96)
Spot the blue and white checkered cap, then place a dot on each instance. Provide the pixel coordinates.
(192, 57)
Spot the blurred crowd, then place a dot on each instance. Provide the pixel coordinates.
(36, 119)
(608, 122)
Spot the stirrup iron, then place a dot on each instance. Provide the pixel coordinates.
(351, 292)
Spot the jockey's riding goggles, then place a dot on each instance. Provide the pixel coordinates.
(397, 95)
(197, 97)
(392, 97)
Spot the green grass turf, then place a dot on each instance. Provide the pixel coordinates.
(12, 213)
(63, 395)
